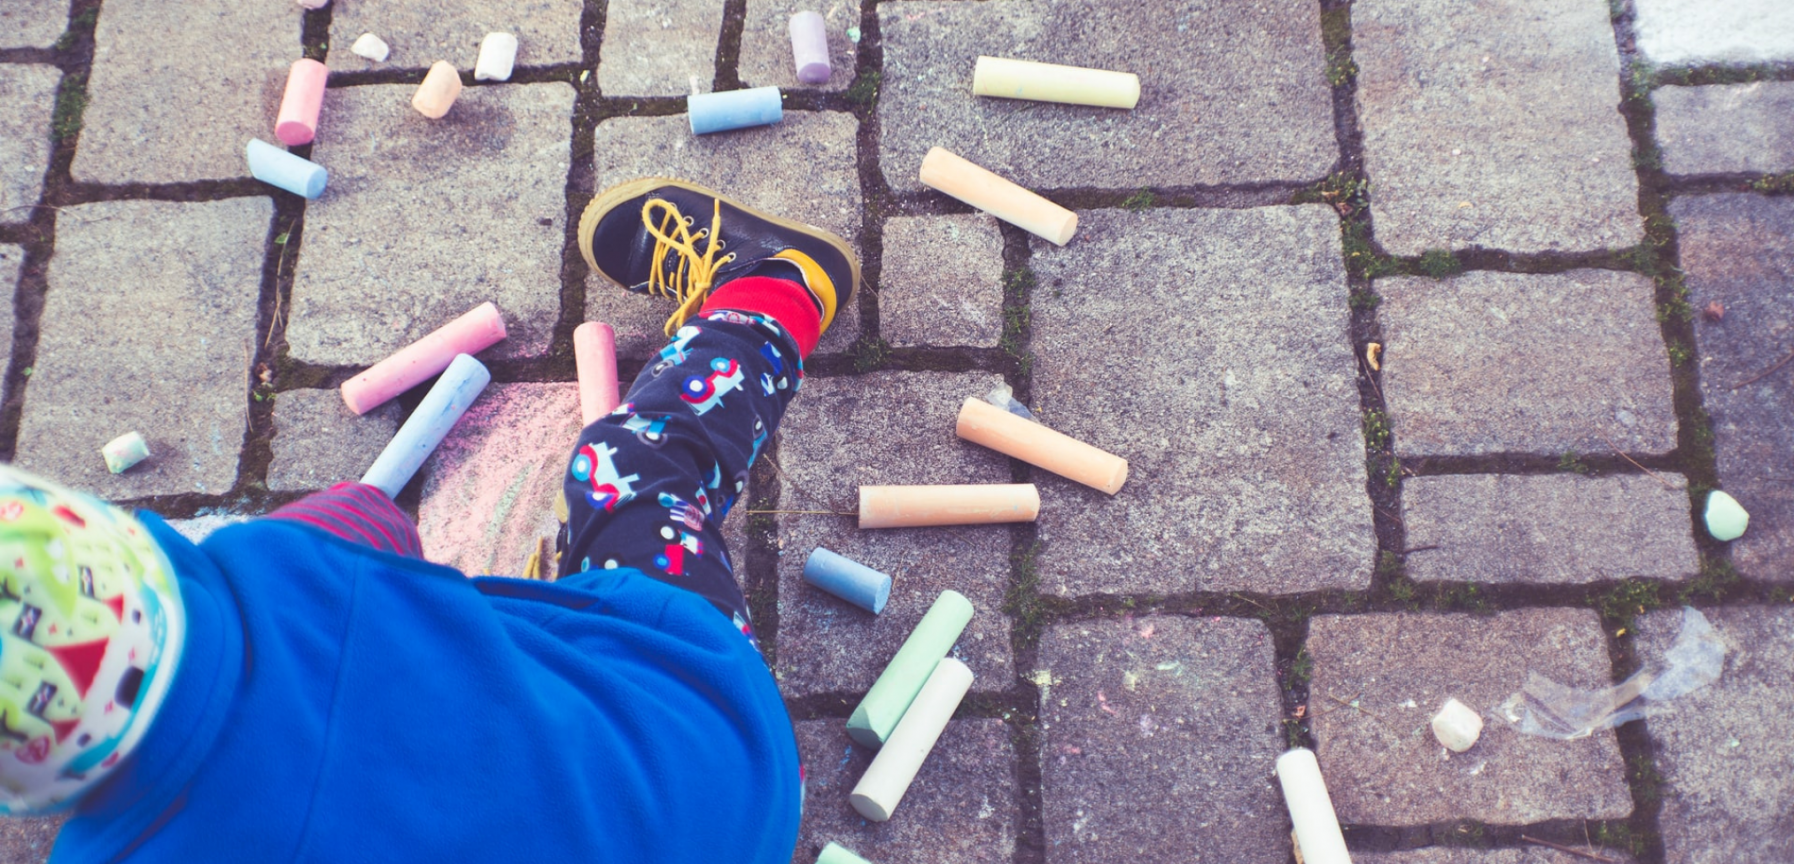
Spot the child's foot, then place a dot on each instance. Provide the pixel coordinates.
(677, 239)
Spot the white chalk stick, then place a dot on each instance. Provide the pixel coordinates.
(882, 787)
(370, 46)
(948, 172)
(835, 853)
(498, 51)
(1050, 82)
(1457, 726)
(1311, 808)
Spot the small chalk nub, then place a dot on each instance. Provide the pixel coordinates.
(948, 172)
(277, 167)
(498, 51)
(809, 47)
(441, 87)
(442, 407)
(886, 780)
(1457, 726)
(1311, 809)
(370, 46)
(301, 103)
(835, 853)
(897, 686)
(734, 109)
(477, 329)
(595, 360)
(313, 4)
(848, 579)
(124, 451)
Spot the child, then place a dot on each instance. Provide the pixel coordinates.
(304, 687)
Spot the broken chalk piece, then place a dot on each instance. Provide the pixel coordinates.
(459, 385)
(924, 506)
(277, 167)
(948, 172)
(498, 52)
(370, 46)
(883, 705)
(474, 331)
(882, 786)
(734, 109)
(595, 358)
(835, 853)
(848, 579)
(809, 47)
(299, 107)
(441, 87)
(314, 4)
(1456, 726)
(124, 451)
(1311, 808)
(1049, 82)
(1726, 518)
(983, 423)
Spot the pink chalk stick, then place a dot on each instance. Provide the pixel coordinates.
(428, 356)
(595, 354)
(299, 108)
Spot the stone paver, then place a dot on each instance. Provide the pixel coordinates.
(148, 325)
(12, 259)
(547, 31)
(1700, 31)
(1710, 130)
(961, 809)
(1524, 855)
(1724, 801)
(27, 99)
(1230, 92)
(1384, 767)
(1223, 373)
(319, 442)
(1555, 361)
(803, 168)
(1440, 86)
(32, 23)
(1559, 529)
(166, 105)
(766, 44)
(425, 219)
(1738, 250)
(27, 841)
(489, 489)
(826, 453)
(656, 47)
(1158, 737)
(942, 282)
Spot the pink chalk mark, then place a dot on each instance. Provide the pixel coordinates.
(1146, 632)
(1103, 703)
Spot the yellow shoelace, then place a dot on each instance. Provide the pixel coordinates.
(690, 283)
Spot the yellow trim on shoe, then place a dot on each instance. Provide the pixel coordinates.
(817, 279)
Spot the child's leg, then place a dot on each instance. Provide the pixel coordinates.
(358, 513)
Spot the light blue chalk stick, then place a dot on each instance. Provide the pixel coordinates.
(277, 167)
(848, 579)
(734, 109)
(459, 385)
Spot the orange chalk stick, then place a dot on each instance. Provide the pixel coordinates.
(983, 423)
(441, 87)
(299, 107)
(921, 506)
(595, 355)
(948, 172)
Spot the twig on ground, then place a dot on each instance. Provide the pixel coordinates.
(1567, 850)
(1617, 452)
(1766, 372)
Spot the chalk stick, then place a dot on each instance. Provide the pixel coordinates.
(948, 172)
(883, 705)
(734, 109)
(1050, 82)
(124, 451)
(595, 357)
(922, 506)
(834, 853)
(459, 385)
(474, 331)
(299, 107)
(882, 787)
(1311, 808)
(370, 46)
(441, 87)
(848, 579)
(277, 167)
(809, 47)
(498, 52)
(983, 423)
(313, 4)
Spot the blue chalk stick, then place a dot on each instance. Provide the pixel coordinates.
(459, 385)
(848, 579)
(277, 167)
(734, 109)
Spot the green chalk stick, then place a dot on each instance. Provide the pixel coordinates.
(898, 685)
(834, 854)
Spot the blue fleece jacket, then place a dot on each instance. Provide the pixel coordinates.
(338, 704)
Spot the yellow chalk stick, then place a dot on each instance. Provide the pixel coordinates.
(1048, 82)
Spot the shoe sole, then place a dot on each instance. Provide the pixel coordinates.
(610, 198)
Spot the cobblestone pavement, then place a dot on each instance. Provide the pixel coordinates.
(1427, 325)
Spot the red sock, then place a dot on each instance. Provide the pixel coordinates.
(782, 300)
